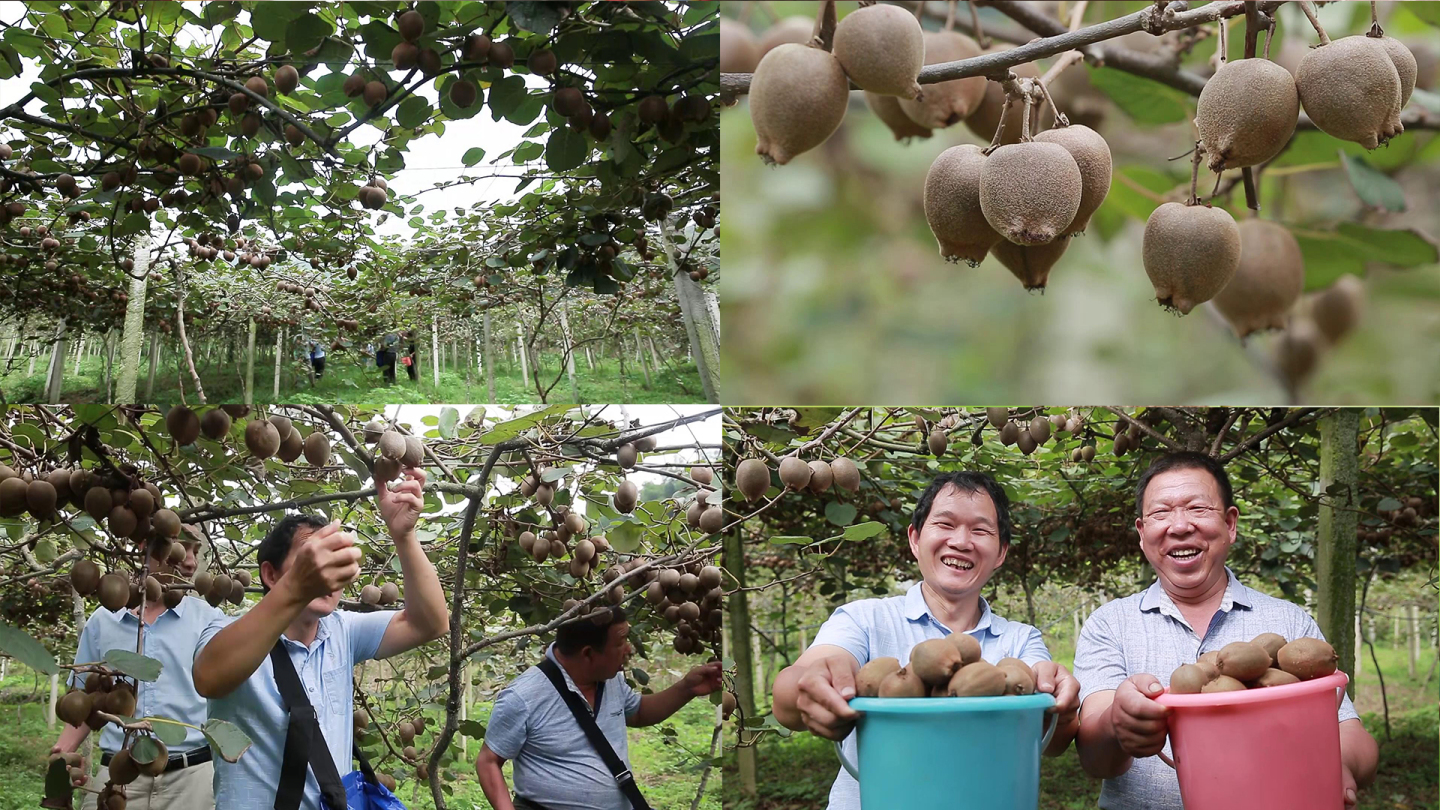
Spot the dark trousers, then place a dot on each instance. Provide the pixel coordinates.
(319, 364)
(410, 369)
(386, 361)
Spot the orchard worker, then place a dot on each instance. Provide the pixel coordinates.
(305, 563)
(959, 534)
(1186, 519)
(563, 721)
(170, 638)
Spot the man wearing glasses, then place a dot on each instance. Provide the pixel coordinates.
(1186, 518)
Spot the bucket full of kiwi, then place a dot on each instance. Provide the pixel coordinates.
(1253, 726)
(973, 715)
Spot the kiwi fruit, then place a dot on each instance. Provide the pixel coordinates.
(1307, 658)
(1189, 679)
(1092, 157)
(121, 521)
(166, 523)
(219, 591)
(794, 473)
(1246, 113)
(176, 553)
(845, 474)
(414, 452)
(1297, 352)
(405, 55)
(739, 51)
(60, 480)
(542, 62)
(986, 117)
(410, 25)
(711, 520)
(370, 595)
(464, 93)
(501, 55)
(1243, 660)
(215, 424)
(392, 444)
(375, 92)
(1019, 678)
(156, 766)
(317, 449)
(84, 578)
(1030, 192)
(40, 498)
(1337, 309)
(709, 578)
(73, 708)
(952, 205)
(389, 593)
(882, 49)
(1351, 90)
(937, 441)
(980, 679)
(286, 79)
(887, 109)
(261, 438)
(386, 469)
(626, 496)
(183, 424)
(794, 29)
(1268, 280)
(290, 447)
(123, 769)
(1223, 683)
(203, 582)
(1271, 642)
(903, 683)
(14, 497)
(153, 589)
(1406, 66)
(944, 104)
(935, 661)
(626, 455)
(1273, 677)
(821, 477)
(172, 597)
(121, 700)
(1190, 253)
(867, 680)
(387, 780)
(752, 478)
(798, 97)
(575, 523)
(1009, 434)
(968, 647)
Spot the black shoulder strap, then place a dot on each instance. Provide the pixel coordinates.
(304, 742)
(583, 716)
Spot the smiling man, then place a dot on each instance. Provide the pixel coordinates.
(959, 534)
(1186, 518)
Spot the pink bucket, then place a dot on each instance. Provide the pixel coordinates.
(1276, 748)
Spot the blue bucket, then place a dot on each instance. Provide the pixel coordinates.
(904, 744)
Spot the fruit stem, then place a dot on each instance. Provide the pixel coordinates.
(1000, 128)
(980, 37)
(823, 35)
(1308, 6)
(950, 15)
(1222, 43)
(1025, 120)
(1060, 120)
(1194, 175)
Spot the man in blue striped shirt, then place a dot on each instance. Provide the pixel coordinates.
(959, 534)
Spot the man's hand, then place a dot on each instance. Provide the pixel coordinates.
(400, 507)
(325, 563)
(1140, 724)
(823, 692)
(1054, 679)
(1349, 787)
(703, 680)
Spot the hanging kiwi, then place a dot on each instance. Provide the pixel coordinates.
(752, 478)
(40, 499)
(261, 438)
(1351, 90)
(739, 50)
(882, 49)
(14, 497)
(183, 424)
(798, 96)
(952, 205)
(1190, 253)
(887, 109)
(794, 473)
(845, 473)
(1092, 157)
(215, 424)
(1247, 113)
(1337, 310)
(1268, 280)
(944, 104)
(1030, 192)
(84, 578)
(317, 449)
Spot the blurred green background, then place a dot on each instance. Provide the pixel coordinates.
(834, 290)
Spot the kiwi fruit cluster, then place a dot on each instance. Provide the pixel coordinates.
(381, 593)
(1354, 87)
(689, 598)
(101, 693)
(944, 667)
(394, 451)
(1266, 660)
(944, 104)
(752, 476)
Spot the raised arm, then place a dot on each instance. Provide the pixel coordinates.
(811, 694)
(492, 779)
(424, 617)
(699, 681)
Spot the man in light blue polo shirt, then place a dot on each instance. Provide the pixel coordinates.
(556, 767)
(959, 534)
(170, 637)
(1186, 518)
(305, 563)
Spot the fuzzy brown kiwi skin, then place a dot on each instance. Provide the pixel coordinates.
(1188, 679)
(739, 52)
(1351, 90)
(1190, 253)
(1337, 309)
(1268, 281)
(882, 49)
(1030, 192)
(1406, 67)
(887, 109)
(796, 29)
(1246, 114)
(1092, 157)
(867, 680)
(1030, 263)
(798, 96)
(952, 205)
(945, 104)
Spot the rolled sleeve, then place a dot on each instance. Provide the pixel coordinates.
(366, 631)
(1099, 658)
(843, 629)
(215, 626)
(506, 732)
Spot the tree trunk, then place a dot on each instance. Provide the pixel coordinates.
(569, 352)
(279, 350)
(250, 365)
(109, 363)
(79, 353)
(699, 325)
(524, 353)
(1335, 552)
(640, 358)
(55, 375)
(738, 628)
(134, 323)
(180, 330)
(155, 347)
(488, 359)
(435, 350)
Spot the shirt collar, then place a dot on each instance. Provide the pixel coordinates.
(1236, 593)
(916, 610)
(322, 632)
(124, 614)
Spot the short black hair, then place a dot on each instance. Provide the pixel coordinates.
(276, 545)
(1184, 460)
(590, 630)
(965, 481)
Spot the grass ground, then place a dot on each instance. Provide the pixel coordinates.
(795, 773)
(346, 381)
(667, 759)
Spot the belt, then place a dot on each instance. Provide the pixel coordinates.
(198, 756)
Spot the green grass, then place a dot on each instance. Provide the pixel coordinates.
(346, 381)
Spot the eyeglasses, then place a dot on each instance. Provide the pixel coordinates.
(1195, 514)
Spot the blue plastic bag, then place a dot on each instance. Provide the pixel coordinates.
(362, 794)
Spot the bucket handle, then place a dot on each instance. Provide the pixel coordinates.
(1051, 720)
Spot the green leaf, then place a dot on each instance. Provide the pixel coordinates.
(1331, 254)
(641, 676)
(412, 112)
(506, 95)
(1147, 102)
(1374, 189)
(306, 33)
(566, 150)
(625, 537)
(449, 418)
(539, 17)
(815, 417)
(514, 427)
(57, 784)
(145, 750)
(865, 531)
(472, 156)
(170, 733)
(474, 729)
(839, 513)
(226, 739)
(790, 540)
(1387, 505)
(27, 650)
(133, 664)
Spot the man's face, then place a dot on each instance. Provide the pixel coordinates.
(320, 606)
(1186, 531)
(616, 654)
(958, 548)
(186, 569)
